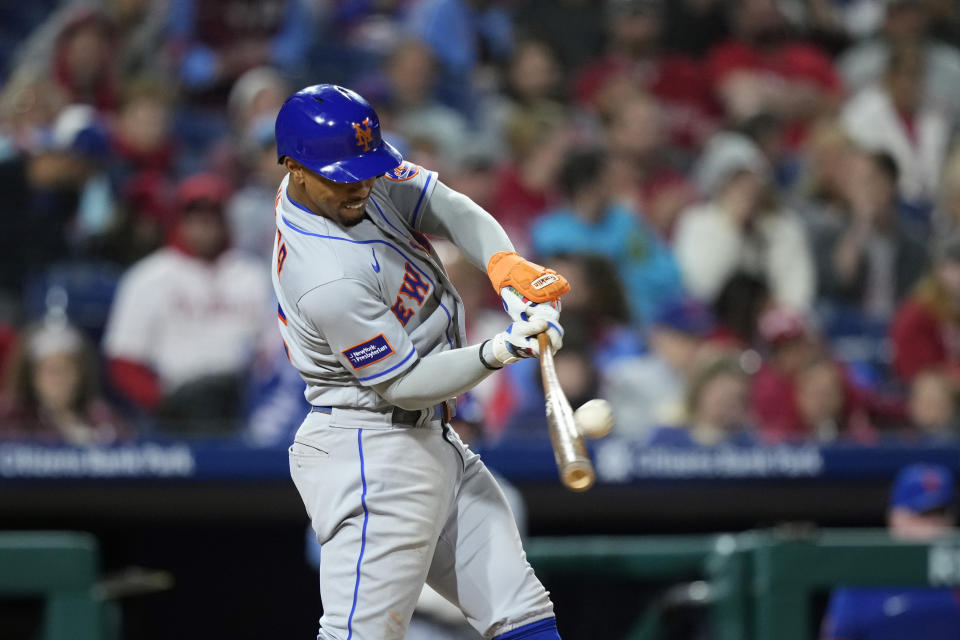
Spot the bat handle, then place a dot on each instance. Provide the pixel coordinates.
(544, 341)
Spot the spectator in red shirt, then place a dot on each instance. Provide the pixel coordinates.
(186, 322)
(800, 393)
(636, 58)
(762, 68)
(926, 329)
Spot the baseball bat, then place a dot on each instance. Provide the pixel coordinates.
(573, 463)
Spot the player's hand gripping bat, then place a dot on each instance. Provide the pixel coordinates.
(576, 470)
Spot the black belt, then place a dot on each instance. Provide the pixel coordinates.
(405, 416)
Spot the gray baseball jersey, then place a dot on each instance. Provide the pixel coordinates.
(362, 304)
(393, 505)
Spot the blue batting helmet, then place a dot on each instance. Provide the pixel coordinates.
(334, 132)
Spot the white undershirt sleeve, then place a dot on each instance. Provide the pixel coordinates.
(435, 378)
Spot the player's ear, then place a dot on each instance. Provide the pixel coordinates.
(295, 169)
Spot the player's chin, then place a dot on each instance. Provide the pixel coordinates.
(353, 212)
(350, 216)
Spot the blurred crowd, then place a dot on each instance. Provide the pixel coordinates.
(757, 204)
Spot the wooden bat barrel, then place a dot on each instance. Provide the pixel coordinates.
(573, 463)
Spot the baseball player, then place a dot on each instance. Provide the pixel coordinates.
(370, 319)
(923, 509)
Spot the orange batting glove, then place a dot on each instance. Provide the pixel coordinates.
(532, 281)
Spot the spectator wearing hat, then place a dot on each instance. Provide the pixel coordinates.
(186, 319)
(926, 328)
(54, 396)
(799, 393)
(868, 258)
(741, 229)
(922, 509)
(648, 390)
(591, 223)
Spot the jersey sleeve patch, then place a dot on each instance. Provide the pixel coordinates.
(367, 353)
(406, 171)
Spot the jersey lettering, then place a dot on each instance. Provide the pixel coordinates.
(413, 285)
(363, 134)
(281, 257)
(403, 314)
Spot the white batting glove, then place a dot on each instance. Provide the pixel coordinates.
(520, 308)
(520, 340)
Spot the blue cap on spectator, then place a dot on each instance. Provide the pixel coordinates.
(923, 487)
(685, 315)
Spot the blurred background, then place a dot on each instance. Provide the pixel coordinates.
(757, 203)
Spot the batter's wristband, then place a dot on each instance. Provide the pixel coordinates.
(484, 362)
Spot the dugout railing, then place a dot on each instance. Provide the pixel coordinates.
(62, 569)
(760, 585)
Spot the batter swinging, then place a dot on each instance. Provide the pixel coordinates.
(373, 324)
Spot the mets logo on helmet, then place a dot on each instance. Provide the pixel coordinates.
(405, 171)
(363, 133)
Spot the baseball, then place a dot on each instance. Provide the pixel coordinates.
(594, 419)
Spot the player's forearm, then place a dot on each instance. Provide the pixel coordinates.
(459, 219)
(436, 378)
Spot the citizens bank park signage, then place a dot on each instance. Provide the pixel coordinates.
(617, 461)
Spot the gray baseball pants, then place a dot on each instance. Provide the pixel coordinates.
(396, 506)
